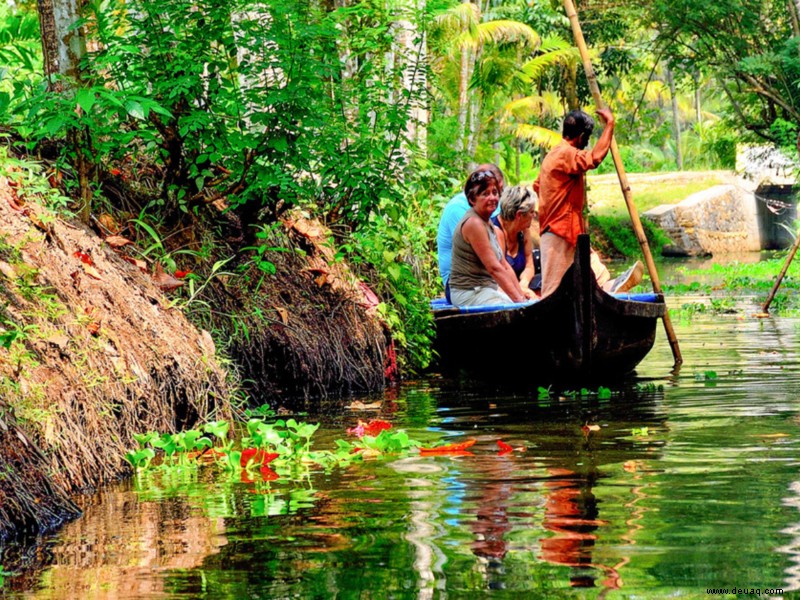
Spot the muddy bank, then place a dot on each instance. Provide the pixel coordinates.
(91, 352)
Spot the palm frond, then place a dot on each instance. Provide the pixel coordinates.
(539, 136)
(533, 69)
(459, 18)
(498, 32)
(524, 109)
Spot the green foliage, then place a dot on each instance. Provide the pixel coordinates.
(615, 236)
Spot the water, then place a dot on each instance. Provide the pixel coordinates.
(681, 489)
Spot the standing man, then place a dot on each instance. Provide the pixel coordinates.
(453, 212)
(561, 186)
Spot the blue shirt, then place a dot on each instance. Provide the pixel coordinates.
(453, 212)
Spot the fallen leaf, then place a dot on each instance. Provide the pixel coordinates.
(358, 405)
(135, 261)
(257, 456)
(448, 448)
(587, 429)
(268, 474)
(59, 339)
(164, 280)
(37, 221)
(12, 202)
(117, 241)
(504, 448)
(284, 314)
(373, 428)
(761, 315)
(92, 272)
(83, 257)
(109, 224)
(321, 280)
(94, 328)
(7, 270)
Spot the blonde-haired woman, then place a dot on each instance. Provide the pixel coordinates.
(517, 211)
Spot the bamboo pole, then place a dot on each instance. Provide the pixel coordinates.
(789, 258)
(623, 178)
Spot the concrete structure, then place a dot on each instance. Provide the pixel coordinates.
(754, 211)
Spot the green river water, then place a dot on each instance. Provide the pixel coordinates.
(689, 482)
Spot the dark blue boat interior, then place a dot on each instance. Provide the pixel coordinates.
(443, 304)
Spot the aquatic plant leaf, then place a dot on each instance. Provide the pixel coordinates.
(219, 429)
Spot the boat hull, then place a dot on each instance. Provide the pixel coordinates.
(579, 333)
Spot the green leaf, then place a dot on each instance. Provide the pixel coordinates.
(135, 110)
(85, 99)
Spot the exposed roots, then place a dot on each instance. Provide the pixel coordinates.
(93, 354)
(309, 330)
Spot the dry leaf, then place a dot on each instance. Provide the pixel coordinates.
(38, 222)
(109, 224)
(117, 241)
(94, 328)
(135, 261)
(7, 270)
(284, 314)
(91, 272)
(164, 280)
(12, 202)
(320, 281)
(59, 339)
(587, 429)
(358, 405)
(761, 315)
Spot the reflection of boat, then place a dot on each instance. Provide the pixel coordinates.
(577, 332)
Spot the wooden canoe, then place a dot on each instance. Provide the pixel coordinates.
(578, 334)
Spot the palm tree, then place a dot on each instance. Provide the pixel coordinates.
(469, 34)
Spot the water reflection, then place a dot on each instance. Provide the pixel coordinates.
(647, 493)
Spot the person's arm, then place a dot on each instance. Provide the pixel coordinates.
(603, 144)
(528, 272)
(474, 233)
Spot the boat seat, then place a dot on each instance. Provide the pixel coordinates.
(438, 304)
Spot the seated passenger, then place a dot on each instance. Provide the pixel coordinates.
(517, 210)
(453, 212)
(479, 273)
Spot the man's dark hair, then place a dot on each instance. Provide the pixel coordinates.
(577, 123)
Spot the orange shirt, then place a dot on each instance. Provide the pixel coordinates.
(560, 187)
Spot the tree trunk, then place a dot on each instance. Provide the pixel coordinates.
(463, 81)
(794, 13)
(410, 51)
(571, 86)
(63, 48)
(697, 107)
(676, 124)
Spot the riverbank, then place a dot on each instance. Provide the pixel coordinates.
(91, 352)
